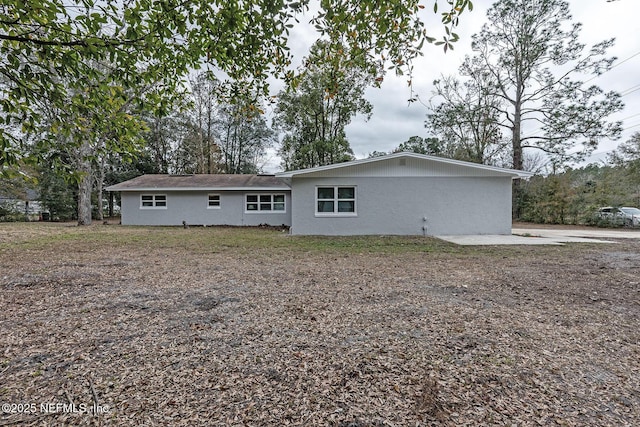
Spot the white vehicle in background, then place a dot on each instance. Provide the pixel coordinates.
(624, 215)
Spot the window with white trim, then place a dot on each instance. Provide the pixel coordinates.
(150, 201)
(337, 200)
(214, 201)
(264, 203)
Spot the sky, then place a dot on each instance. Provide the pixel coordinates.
(395, 120)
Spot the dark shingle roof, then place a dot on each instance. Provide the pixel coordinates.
(202, 182)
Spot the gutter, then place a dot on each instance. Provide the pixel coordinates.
(137, 189)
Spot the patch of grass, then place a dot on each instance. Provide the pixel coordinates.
(243, 241)
(371, 244)
(209, 239)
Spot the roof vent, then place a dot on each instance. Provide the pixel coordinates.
(403, 162)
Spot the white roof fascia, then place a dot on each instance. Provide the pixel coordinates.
(201, 189)
(515, 173)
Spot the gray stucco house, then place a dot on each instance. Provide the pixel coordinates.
(401, 193)
(205, 200)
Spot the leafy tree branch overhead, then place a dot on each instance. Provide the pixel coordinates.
(143, 43)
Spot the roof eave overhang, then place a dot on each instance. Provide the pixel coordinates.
(139, 189)
(488, 170)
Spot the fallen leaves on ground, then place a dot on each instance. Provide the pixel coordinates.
(261, 337)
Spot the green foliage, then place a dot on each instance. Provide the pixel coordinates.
(467, 119)
(208, 133)
(420, 145)
(627, 156)
(165, 133)
(79, 78)
(416, 144)
(49, 51)
(548, 201)
(244, 137)
(57, 195)
(389, 30)
(574, 196)
(377, 154)
(196, 149)
(314, 114)
(119, 169)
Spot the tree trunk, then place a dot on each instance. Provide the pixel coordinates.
(84, 194)
(85, 185)
(516, 143)
(99, 188)
(516, 135)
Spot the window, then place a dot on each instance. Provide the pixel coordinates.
(265, 203)
(214, 201)
(336, 200)
(150, 201)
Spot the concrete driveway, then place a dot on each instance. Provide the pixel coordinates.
(546, 236)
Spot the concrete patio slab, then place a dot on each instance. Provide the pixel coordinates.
(597, 233)
(545, 236)
(496, 239)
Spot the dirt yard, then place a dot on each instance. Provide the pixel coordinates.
(112, 325)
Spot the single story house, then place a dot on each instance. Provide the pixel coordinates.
(401, 194)
(216, 199)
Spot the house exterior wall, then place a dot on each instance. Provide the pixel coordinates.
(27, 207)
(192, 207)
(398, 206)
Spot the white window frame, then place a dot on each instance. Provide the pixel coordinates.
(158, 201)
(260, 202)
(209, 205)
(336, 200)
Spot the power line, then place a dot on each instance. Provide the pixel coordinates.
(625, 60)
(631, 116)
(538, 130)
(614, 66)
(630, 90)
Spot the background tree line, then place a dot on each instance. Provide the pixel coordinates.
(203, 134)
(92, 99)
(573, 196)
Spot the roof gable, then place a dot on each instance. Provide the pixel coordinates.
(406, 164)
(201, 182)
